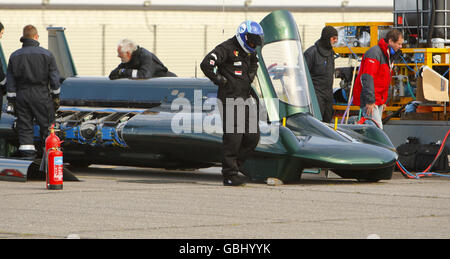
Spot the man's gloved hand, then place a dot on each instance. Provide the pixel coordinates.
(11, 106)
(119, 73)
(221, 80)
(114, 74)
(56, 102)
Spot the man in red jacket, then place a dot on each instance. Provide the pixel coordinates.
(372, 83)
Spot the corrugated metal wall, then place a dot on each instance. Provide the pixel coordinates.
(179, 38)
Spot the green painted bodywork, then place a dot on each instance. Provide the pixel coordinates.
(58, 44)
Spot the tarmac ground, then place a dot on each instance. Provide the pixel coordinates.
(111, 202)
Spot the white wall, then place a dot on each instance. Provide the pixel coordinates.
(180, 35)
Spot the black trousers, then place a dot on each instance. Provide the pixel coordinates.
(240, 133)
(33, 103)
(326, 107)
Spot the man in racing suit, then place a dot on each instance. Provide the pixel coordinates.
(232, 67)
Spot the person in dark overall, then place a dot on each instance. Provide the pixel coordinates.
(33, 88)
(320, 60)
(138, 63)
(232, 66)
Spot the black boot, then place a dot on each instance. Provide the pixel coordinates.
(27, 154)
(233, 180)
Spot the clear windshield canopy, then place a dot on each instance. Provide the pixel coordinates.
(284, 62)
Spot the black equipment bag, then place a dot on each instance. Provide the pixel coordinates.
(426, 154)
(416, 157)
(407, 154)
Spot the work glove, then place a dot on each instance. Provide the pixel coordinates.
(11, 106)
(56, 102)
(220, 80)
(114, 74)
(120, 73)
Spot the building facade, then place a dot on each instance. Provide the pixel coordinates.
(179, 37)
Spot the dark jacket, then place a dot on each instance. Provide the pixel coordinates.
(320, 60)
(32, 66)
(142, 65)
(230, 68)
(374, 76)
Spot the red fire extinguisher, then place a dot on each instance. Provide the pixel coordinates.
(55, 169)
(54, 157)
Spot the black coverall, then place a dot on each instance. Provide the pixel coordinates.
(233, 70)
(320, 60)
(30, 71)
(142, 65)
